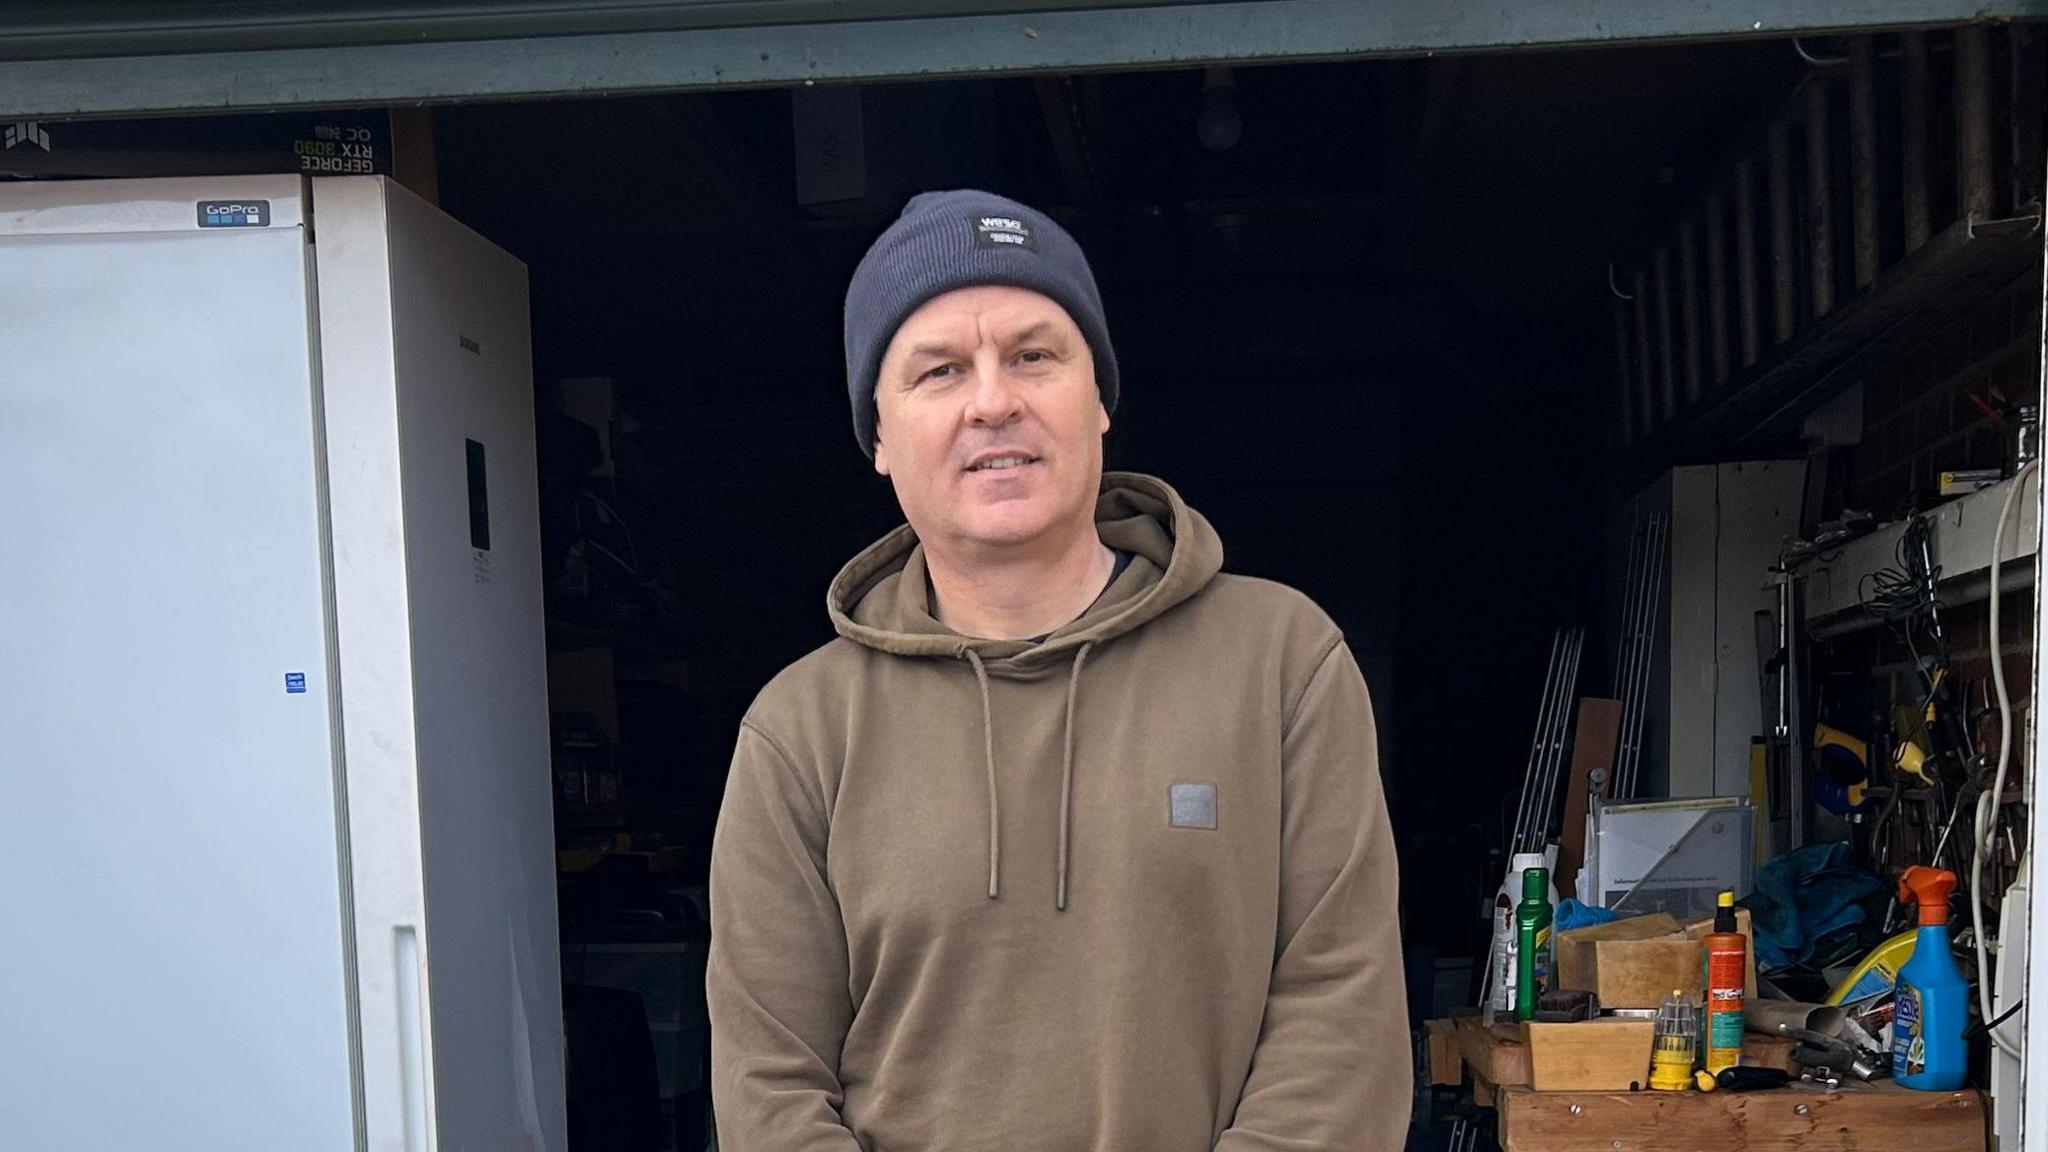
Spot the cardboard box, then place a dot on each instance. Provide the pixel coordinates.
(1635, 963)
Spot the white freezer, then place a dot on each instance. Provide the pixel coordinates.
(276, 847)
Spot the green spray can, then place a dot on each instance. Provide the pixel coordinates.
(1532, 916)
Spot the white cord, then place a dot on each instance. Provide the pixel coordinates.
(1986, 821)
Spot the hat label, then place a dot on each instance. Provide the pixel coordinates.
(1003, 232)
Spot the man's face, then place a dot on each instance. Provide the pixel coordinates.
(990, 423)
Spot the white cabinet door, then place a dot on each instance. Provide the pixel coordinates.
(171, 908)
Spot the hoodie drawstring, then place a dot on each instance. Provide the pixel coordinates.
(988, 749)
(1067, 773)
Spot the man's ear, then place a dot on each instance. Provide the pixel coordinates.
(881, 453)
(1102, 422)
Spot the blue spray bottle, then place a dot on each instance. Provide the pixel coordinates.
(1933, 1008)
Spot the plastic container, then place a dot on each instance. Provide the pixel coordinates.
(1532, 916)
(1933, 1007)
(1726, 959)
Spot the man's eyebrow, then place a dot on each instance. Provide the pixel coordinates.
(929, 349)
(1036, 331)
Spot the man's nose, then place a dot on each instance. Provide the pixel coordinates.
(994, 401)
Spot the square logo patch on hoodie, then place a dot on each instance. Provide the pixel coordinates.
(1192, 805)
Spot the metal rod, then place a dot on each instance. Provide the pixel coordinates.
(1535, 743)
(1533, 826)
(1781, 227)
(1626, 650)
(1627, 774)
(1915, 186)
(1628, 604)
(1689, 307)
(1973, 123)
(1863, 155)
(1539, 832)
(1532, 769)
(1561, 723)
(1820, 199)
(1667, 370)
(1745, 261)
(1717, 285)
(1539, 743)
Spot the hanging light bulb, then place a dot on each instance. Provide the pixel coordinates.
(1219, 126)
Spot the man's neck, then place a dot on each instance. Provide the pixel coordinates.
(1019, 596)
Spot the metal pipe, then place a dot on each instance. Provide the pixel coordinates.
(1717, 285)
(1778, 163)
(1973, 123)
(1745, 261)
(1784, 1017)
(1689, 307)
(1863, 155)
(1667, 370)
(1820, 199)
(1913, 142)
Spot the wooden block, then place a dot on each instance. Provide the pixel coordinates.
(1879, 1117)
(1593, 745)
(1483, 1093)
(1495, 1055)
(1592, 1055)
(1445, 1065)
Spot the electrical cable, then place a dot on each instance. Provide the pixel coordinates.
(1988, 801)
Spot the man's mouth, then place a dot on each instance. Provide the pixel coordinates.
(1002, 462)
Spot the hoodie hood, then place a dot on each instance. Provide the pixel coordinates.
(879, 599)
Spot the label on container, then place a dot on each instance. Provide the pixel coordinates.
(1909, 1048)
(1724, 1030)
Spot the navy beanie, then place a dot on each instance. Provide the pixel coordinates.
(963, 239)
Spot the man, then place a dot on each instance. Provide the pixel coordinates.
(1068, 842)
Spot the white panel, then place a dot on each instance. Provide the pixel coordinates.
(375, 652)
(171, 975)
(1689, 734)
(459, 351)
(1757, 509)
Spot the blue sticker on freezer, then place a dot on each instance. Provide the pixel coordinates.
(234, 213)
(295, 682)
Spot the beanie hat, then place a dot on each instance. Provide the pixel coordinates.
(963, 239)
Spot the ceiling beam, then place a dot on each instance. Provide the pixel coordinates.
(943, 42)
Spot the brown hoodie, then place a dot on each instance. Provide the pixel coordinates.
(1131, 888)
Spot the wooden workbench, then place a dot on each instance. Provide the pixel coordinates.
(1877, 1117)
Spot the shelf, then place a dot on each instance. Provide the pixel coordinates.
(1877, 1117)
(1960, 538)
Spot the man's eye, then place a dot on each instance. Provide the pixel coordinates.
(1035, 356)
(937, 373)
